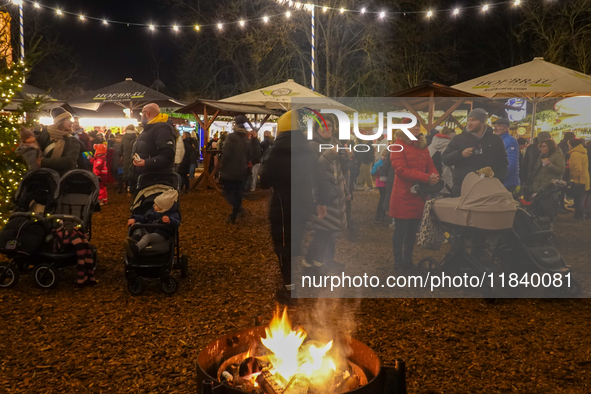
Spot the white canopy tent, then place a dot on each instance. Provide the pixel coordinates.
(534, 81)
(280, 97)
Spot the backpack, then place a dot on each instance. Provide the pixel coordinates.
(84, 157)
(21, 235)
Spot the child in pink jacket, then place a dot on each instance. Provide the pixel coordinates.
(99, 167)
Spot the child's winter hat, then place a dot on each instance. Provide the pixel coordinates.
(100, 149)
(166, 200)
(26, 134)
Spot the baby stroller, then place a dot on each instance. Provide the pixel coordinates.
(530, 249)
(35, 198)
(545, 204)
(485, 207)
(76, 198)
(156, 260)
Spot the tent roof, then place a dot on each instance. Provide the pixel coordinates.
(537, 78)
(280, 96)
(126, 93)
(226, 109)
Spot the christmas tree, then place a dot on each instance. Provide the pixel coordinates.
(12, 167)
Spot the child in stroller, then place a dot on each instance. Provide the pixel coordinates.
(163, 211)
(152, 246)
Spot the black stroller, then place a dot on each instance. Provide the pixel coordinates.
(157, 260)
(75, 201)
(545, 204)
(530, 249)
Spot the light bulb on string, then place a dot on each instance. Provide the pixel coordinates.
(265, 19)
(363, 10)
(485, 8)
(456, 11)
(342, 10)
(242, 23)
(220, 26)
(105, 22)
(175, 28)
(429, 14)
(287, 14)
(58, 11)
(81, 17)
(197, 27)
(382, 15)
(324, 9)
(517, 3)
(152, 27)
(36, 5)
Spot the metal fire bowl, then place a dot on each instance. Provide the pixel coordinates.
(381, 380)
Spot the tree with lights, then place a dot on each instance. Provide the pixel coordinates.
(12, 167)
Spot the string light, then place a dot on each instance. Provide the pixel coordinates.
(152, 27)
(295, 5)
(220, 26)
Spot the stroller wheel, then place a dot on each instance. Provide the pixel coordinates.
(46, 276)
(136, 285)
(9, 276)
(429, 264)
(184, 266)
(169, 284)
(94, 255)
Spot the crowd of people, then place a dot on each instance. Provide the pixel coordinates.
(433, 163)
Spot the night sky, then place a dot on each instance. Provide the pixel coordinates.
(109, 54)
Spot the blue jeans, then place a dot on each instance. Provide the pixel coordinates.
(233, 194)
(192, 171)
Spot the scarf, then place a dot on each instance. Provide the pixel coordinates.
(57, 136)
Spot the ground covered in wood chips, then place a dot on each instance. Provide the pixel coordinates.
(103, 340)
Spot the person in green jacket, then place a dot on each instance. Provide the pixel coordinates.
(550, 165)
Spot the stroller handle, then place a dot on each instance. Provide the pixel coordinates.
(66, 217)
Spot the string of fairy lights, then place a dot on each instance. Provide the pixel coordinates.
(292, 5)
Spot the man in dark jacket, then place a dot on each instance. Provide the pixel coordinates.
(255, 155)
(290, 173)
(501, 128)
(265, 145)
(477, 147)
(155, 146)
(234, 166)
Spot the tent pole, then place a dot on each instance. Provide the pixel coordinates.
(533, 118)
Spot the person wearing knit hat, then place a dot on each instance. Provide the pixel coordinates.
(28, 148)
(60, 150)
(475, 148)
(164, 211)
(288, 170)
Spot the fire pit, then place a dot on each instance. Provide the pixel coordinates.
(279, 360)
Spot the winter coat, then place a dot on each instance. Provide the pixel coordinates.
(156, 145)
(194, 151)
(377, 172)
(234, 162)
(30, 153)
(330, 188)
(512, 149)
(388, 171)
(153, 217)
(413, 164)
(125, 150)
(99, 166)
(543, 175)
(265, 145)
(493, 155)
(186, 162)
(579, 166)
(438, 144)
(179, 152)
(290, 163)
(255, 152)
(530, 160)
(69, 158)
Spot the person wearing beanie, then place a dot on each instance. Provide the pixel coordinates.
(234, 166)
(99, 168)
(60, 150)
(28, 148)
(501, 128)
(289, 171)
(164, 211)
(475, 148)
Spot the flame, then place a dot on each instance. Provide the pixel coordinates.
(290, 358)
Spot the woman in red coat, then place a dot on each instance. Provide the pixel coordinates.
(412, 165)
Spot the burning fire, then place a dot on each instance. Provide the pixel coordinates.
(290, 359)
